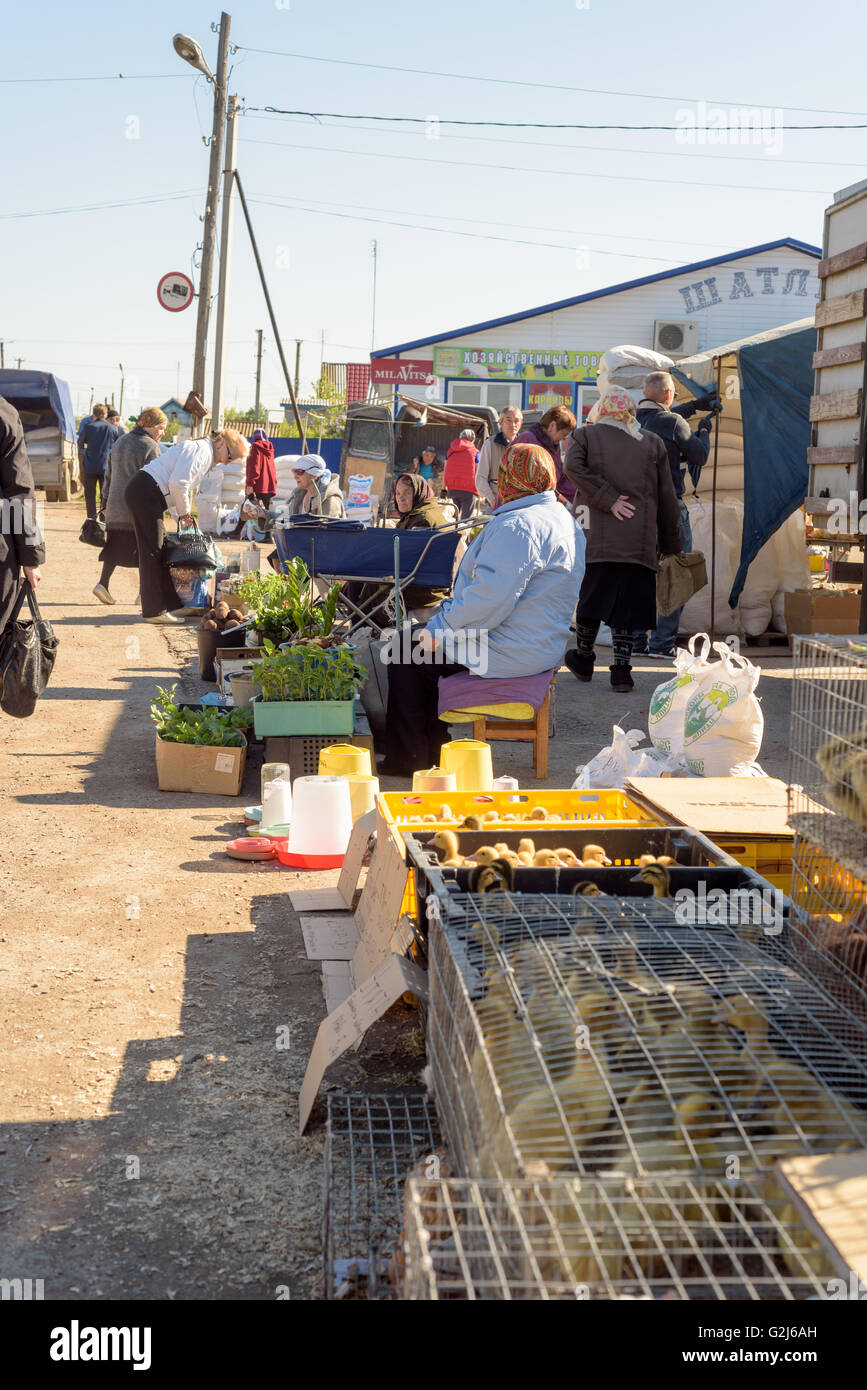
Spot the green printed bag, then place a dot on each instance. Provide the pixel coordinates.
(668, 701)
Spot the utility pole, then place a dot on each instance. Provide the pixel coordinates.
(211, 202)
(373, 248)
(120, 406)
(20, 360)
(258, 374)
(226, 229)
(298, 342)
(2, 353)
(321, 354)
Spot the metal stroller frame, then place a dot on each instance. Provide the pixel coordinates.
(391, 583)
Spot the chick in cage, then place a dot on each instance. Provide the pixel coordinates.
(843, 760)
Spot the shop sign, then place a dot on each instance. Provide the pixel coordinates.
(517, 364)
(405, 371)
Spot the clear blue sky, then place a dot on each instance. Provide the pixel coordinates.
(78, 289)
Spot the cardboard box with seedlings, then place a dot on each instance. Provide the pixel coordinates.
(199, 750)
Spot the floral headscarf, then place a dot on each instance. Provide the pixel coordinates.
(525, 469)
(616, 408)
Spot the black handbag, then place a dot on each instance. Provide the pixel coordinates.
(27, 653)
(190, 550)
(92, 532)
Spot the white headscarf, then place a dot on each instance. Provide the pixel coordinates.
(315, 465)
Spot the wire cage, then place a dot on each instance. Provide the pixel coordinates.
(829, 908)
(602, 1035)
(372, 1142)
(650, 1238)
(828, 752)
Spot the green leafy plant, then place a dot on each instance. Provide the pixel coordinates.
(307, 671)
(219, 728)
(287, 607)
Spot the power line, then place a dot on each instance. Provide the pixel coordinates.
(516, 82)
(530, 125)
(525, 226)
(525, 169)
(116, 77)
(98, 207)
(450, 231)
(604, 149)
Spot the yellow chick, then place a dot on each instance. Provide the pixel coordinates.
(447, 842)
(553, 1124)
(472, 823)
(568, 858)
(537, 813)
(486, 854)
(546, 859)
(526, 846)
(594, 855)
(445, 813)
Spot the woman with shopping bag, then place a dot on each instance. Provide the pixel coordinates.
(170, 482)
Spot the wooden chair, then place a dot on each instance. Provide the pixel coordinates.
(533, 731)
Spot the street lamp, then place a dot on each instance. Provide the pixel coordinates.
(189, 50)
(191, 53)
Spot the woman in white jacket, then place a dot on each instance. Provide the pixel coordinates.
(171, 481)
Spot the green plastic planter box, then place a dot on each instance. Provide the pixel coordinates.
(290, 718)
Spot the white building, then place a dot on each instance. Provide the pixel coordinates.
(549, 355)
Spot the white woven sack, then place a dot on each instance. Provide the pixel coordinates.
(668, 701)
(723, 722)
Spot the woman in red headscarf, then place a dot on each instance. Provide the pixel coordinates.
(261, 474)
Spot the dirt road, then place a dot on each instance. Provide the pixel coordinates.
(148, 1121)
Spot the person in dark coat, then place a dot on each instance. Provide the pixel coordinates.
(622, 475)
(261, 473)
(95, 442)
(686, 450)
(130, 453)
(555, 425)
(21, 544)
(417, 507)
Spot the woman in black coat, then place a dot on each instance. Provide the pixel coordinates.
(21, 546)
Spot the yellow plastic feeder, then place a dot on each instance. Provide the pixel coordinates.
(470, 760)
(342, 759)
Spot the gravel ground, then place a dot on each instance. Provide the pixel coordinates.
(148, 1128)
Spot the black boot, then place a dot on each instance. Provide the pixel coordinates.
(621, 678)
(580, 664)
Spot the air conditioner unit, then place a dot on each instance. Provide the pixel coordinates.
(675, 339)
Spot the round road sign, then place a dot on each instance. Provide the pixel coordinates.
(175, 291)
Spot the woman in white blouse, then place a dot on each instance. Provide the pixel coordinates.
(169, 482)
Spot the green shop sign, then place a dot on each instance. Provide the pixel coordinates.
(517, 364)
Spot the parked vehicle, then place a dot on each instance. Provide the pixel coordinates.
(44, 403)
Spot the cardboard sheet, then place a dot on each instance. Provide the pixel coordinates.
(336, 983)
(350, 1021)
(329, 935)
(379, 908)
(339, 894)
(831, 1189)
(749, 806)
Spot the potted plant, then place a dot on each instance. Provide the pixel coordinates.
(287, 607)
(199, 750)
(306, 688)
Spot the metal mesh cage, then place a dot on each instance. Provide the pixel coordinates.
(372, 1142)
(828, 753)
(602, 1035)
(829, 906)
(651, 1238)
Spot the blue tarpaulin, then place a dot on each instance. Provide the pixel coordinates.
(367, 552)
(775, 376)
(41, 386)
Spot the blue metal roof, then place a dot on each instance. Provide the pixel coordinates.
(601, 294)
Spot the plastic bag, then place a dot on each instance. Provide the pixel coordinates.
(723, 722)
(668, 701)
(622, 759)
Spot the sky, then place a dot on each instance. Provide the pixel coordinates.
(470, 222)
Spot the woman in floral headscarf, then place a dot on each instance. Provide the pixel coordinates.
(622, 476)
(515, 593)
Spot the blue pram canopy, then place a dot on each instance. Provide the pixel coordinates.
(349, 550)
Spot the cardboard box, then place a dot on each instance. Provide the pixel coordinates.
(822, 610)
(187, 767)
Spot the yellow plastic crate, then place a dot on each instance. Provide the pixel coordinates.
(411, 811)
(772, 858)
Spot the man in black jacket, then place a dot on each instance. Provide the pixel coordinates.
(685, 451)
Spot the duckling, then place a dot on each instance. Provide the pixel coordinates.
(496, 877)
(445, 812)
(537, 813)
(569, 858)
(586, 889)
(546, 859)
(491, 817)
(486, 854)
(657, 876)
(472, 823)
(429, 820)
(595, 855)
(486, 933)
(644, 859)
(447, 841)
(501, 847)
(526, 846)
